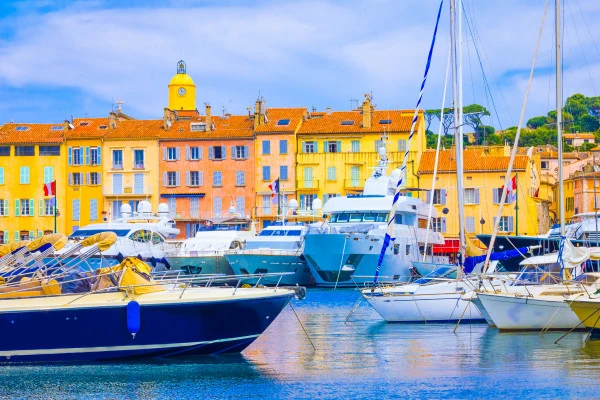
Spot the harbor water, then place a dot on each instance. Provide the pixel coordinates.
(363, 357)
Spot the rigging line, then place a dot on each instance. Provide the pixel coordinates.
(391, 216)
(515, 146)
(587, 26)
(437, 155)
(485, 81)
(581, 48)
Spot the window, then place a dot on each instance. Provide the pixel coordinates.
(138, 159)
(331, 174)
(24, 175)
(333, 147)
(240, 206)
(94, 155)
(347, 122)
(93, 210)
(48, 174)
(385, 121)
(569, 203)
(308, 177)
(309, 147)
(355, 146)
(506, 224)
(283, 122)
(24, 150)
(266, 173)
(172, 178)
(194, 207)
(266, 147)
(198, 127)
(4, 151)
(76, 179)
(471, 196)
(216, 152)
(117, 189)
(138, 183)
(497, 194)
(354, 176)
(172, 202)
(240, 178)
(194, 178)
(194, 153)
(283, 172)
(47, 207)
(306, 201)
(50, 150)
(117, 159)
(283, 147)
(545, 164)
(266, 204)
(570, 142)
(22, 128)
(24, 207)
(75, 155)
(239, 152)
(94, 178)
(172, 153)
(439, 197)
(75, 210)
(402, 145)
(217, 178)
(217, 207)
(438, 224)
(328, 196)
(3, 207)
(378, 144)
(470, 224)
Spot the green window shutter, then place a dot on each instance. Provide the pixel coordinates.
(6, 237)
(2, 176)
(16, 236)
(17, 209)
(339, 146)
(31, 234)
(42, 209)
(6, 207)
(32, 207)
(325, 146)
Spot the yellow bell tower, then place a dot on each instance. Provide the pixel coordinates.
(182, 90)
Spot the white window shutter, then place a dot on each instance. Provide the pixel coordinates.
(165, 153)
(200, 153)
(210, 152)
(87, 178)
(165, 181)
(495, 193)
(511, 227)
(428, 196)
(476, 196)
(200, 178)
(233, 152)
(443, 224)
(177, 178)
(70, 179)
(187, 178)
(187, 152)
(224, 152)
(245, 152)
(177, 153)
(443, 199)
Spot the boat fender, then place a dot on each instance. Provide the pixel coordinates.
(164, 261)
(133, 317)
(153, 262)
(120, 257)
(139, 257)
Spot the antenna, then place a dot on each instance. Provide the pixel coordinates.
(352, 102)
(223, 110)
(120, 105)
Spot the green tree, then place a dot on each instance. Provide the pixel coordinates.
(472, 115)
(587, 146)
(576, 105)
(589, 123)
(536, 122)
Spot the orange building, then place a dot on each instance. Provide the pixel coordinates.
(276, 147)
(207, 167)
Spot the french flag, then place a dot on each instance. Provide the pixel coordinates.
(50, 188)
(274, 187)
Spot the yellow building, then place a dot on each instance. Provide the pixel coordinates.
(275, 144)
(30, 156)
(336, 150)
(484, 175)
(182, 90)
(84, 200)
(130, 165)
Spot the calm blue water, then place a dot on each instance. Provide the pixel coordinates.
(364, 358)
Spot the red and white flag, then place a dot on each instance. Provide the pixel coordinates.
(511, 192)
(50, 188)
(274, 187)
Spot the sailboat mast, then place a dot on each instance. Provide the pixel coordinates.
(558, 48)
(458, 137)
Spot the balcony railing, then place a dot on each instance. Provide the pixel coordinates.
(308, 184)
(353, 184)
(117, 165)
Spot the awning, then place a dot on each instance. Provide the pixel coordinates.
(449, 246)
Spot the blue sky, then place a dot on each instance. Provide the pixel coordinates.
(64, 58)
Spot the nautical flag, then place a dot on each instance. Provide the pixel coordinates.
(511, 193)
(274, 186)
(50, 188)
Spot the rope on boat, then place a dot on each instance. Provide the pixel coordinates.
(302, 325)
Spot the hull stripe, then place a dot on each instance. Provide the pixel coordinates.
(79, 350)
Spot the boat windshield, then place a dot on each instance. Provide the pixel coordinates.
(448, 272)
(83, 233)
(281, 232)
(587, 278)
(358, 217)
(542, 274)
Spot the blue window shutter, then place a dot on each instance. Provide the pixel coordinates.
(428, 196)
(245, 152)
(187, 178)
(87, 155)
(2, 176)
(443, 197)
(5, 207)
(339, 146)
(210, 152)
(224, 152)
(476, 196)
(177, 153)
(70, 156)
(304, 147)
(233, 152)
(325, 146)
(495, 195)
(99, 161)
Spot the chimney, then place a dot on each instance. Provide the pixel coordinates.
(256, 113)
(260, 112)
(328, 111)
(208, 118)
(67, 125)
(366, 112)
(167, 121)
(112, 120)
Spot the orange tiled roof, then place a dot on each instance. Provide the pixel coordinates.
(32, 133)
(136, 129)
(275, 115)
(332, 123)
(87, 128)
(579, 136)
(186, 113)
(231, 127)
(474, 160)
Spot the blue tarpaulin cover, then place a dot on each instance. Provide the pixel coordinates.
(470, 262)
